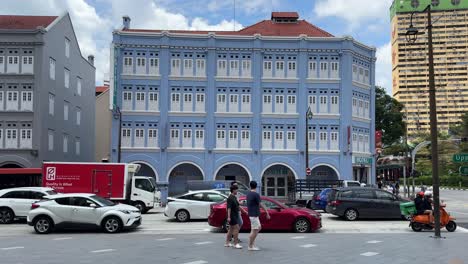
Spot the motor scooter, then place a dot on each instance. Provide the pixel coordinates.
(421, 222)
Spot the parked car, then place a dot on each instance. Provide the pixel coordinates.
(192, 205)
(356, 202)
(16, 202)
(297, 219)
(353, 184)
(321, 200)
(75, 210)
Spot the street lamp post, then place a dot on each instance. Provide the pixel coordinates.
(118, 115)
(309, 116)
(411, 36)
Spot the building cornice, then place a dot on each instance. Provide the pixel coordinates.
(10, 43)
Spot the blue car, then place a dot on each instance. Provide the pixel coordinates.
(321, 200)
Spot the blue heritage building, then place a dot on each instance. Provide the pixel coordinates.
(202, 105)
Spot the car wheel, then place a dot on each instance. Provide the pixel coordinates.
(351, 214)
(417, 227)
(112, 224)
(451, 226)
(301, 225)
(140, 206)
(226, 226)
(6, 216)
(182, 216)
(43, 225)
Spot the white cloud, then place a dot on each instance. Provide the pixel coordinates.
(354, 12)
(383, 75)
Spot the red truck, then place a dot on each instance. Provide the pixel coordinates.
(114, 181)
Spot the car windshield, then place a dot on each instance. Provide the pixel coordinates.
(102, 201)
(153, 182)
(51, 192)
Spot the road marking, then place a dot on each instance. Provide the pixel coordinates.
(11, 248)
(369, 254)
(308, 245)
(203, 243)
(298, 237)
(196, 262)
(62, 238)
(373, 242)
(103, 250)
(165, 239)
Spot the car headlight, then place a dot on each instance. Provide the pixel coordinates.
(129, 211)
(315, 216)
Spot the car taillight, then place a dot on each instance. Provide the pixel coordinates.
(335, 203)
(34, 206)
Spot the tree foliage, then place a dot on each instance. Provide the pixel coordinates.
(388, 117)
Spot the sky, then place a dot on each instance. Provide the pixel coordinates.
(367, 21)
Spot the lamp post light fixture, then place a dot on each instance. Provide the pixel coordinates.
(309, 116)
(411, 36)
(118, 115)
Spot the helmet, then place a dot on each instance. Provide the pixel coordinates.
(428, 193)
(421, 194)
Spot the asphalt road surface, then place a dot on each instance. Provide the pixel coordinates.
(209, 248)
(457, 205)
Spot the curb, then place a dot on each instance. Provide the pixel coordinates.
(453, 189)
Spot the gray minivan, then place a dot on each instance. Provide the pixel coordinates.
(357, 202)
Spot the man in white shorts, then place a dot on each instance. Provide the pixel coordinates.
(253, 205)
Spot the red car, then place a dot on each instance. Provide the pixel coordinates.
(300, 220)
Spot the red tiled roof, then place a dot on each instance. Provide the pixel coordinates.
(264, 28)
(25, 22)
(101, 89)
(284, 15)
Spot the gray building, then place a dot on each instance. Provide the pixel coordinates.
(47, 93)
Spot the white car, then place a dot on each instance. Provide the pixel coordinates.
(81, 210)
(192, 205)
(16, 202)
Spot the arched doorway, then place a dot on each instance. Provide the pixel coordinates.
(233, 172)
(277, 181)
(146, 170)
(323, 172)
(180, 175)
(10, 165)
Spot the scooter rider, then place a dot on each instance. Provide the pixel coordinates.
(427, 206)
(419, 203)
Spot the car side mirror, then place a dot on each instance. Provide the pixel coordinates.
(93, 206)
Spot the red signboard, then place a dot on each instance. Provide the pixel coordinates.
(308, 171)
(378, 141)
(104, 179)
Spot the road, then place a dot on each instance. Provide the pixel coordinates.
(457, 205)
(196, 249)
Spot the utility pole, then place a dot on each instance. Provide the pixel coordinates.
(411, 36)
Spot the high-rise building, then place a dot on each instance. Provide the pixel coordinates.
(231, 105)
(410, 61)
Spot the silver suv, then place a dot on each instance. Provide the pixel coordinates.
(81, 210)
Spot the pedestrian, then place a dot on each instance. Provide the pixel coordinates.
(379, 184)
(397, 188)
(233, 219)
(254, 203)
(238, 195)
